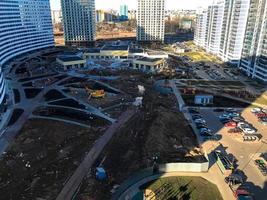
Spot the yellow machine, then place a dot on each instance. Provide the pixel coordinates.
(95, 93)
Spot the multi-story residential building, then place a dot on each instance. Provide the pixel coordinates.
(25, 26)
(233, 30)
(150, 20)
(132, 14)
(214, 27)
(100, 16)
(56, 16)
(254, 53)
(200, 36)
(123, 12)
(79, 22)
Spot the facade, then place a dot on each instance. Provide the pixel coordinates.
(100, 16)
(150, 20)
(200, 36)
(254, 53)
(121, 52)
(123, 12)
(56, 16)
(233, 30)
(214, 27)
(25, 26)
(132, 14)
(79, 22)
(149, 65)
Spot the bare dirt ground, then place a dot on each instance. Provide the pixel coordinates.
(158, 129)
(41, 159)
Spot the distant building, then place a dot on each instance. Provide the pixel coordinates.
(79, 22)
(254, 53)
(56, 16)
(200, 30)
(150, 20)
(100, 16)
(132, 14)
(123, 12)
(214, 27)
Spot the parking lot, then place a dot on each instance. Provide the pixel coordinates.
(245, 152)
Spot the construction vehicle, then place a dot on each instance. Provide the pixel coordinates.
(95, 93)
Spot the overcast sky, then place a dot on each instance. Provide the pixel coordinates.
(115, 4)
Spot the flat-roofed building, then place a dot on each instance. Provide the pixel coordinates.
(70, 62)
(149, 65)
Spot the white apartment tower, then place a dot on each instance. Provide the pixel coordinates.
(214, 27)
(254, 53)
(150, 20)
(200, 30)
(79, 22)
(233, 30)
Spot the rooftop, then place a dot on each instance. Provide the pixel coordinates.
(136, 50)
(115, 48)
(70, 58)
(146, 59)
(155, 53)
(93, 50)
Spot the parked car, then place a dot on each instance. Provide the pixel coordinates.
(218, 110)
(238, 119)
(249, 130)
(231, 124)
(200, 126)
(224, 116)
(193, 111)
(261, 114)
(194, 117)
(231, 110)
(235, 130)
(200, 121)
(205, 132)
(255, 110)
(233, 114)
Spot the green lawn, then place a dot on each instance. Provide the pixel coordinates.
(200, 56)
(190, 188)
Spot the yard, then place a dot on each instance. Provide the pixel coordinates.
(191, 188)
(201, 56)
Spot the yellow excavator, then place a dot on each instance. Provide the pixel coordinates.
(95, 93)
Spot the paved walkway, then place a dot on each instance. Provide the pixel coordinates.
(74, 182)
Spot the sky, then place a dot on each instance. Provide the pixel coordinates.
(115, 4)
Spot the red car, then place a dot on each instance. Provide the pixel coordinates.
(231, 124)
(261, 114)
(242, 194)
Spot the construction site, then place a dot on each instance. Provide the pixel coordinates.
(68, 113)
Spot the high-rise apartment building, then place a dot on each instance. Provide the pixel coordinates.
(150, 20)
(200, 35)
(123, 12)
(25, 26)
(233, 30)
(214, 27)
(254, 53)
(79, 22)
